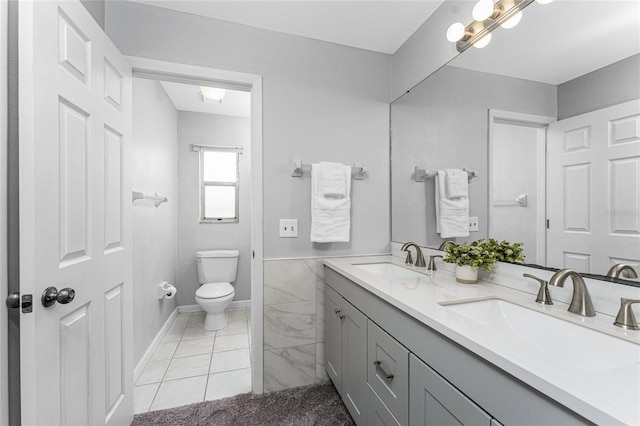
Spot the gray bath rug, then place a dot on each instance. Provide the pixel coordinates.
(315, 405)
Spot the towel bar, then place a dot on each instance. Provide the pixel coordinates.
(358, 171)
(520, 201)
(158, 199)
(422, 175)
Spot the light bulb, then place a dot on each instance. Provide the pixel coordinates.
(483, 41)
(482, 10)
(455, 32)
(212, 94)
(513, 21)
(544, 1)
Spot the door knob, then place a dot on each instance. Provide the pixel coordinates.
(51, 295)
(13, 300)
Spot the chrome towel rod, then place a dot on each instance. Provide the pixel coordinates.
(158, 199)
(358, 171)
(520, 201)
(421, 174)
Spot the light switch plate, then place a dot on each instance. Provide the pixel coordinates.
(288, 228)
(473, 224)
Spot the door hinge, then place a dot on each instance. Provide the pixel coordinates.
(547, 223)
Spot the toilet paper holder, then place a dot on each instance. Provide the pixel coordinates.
(166, 290)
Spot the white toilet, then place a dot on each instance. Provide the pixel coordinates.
(217, 269)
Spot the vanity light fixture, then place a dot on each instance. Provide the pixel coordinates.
(212, 94)
(487, 17)
(482, 10)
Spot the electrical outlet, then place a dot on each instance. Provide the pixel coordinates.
(288, 228)
(473, 224)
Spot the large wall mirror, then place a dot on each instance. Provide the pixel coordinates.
(548, 116)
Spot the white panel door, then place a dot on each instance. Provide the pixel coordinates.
(594, 189)
(75, 226)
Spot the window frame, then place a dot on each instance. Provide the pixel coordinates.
(204, 184)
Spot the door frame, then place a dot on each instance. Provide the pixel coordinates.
(171, 71)
(4, 290)
(529, 120)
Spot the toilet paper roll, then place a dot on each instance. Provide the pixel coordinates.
(170, 291)
(166, 290)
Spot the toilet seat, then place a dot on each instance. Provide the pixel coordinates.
(214, 290)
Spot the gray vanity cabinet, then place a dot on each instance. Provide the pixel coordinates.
(379, 414)
(388, 371)
(443, 384)
(333, 337)
(435, 402)
(345, 351)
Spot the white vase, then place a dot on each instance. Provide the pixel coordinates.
(466, 274)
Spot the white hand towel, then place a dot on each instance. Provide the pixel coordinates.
(330, 217)
(333, 183)
(452, 216)
(456, 183)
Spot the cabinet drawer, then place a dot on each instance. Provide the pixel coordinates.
(378, 414)
(434, 401)
(388, 371)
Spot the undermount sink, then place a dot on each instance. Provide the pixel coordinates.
(552, 341)
(388, 270)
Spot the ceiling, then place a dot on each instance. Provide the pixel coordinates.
(186, 97)
(553, 43)
(381, 26)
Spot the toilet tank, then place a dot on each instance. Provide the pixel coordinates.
(217, 266)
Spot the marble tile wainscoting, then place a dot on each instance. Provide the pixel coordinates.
(293, 323)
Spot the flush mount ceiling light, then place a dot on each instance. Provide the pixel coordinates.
(487, 17)
(212, 94)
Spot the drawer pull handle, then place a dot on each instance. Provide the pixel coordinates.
(380, 370)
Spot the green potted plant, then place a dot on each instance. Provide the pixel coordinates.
(505, 251)
(469, 257)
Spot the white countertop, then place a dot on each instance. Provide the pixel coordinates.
(604, 394)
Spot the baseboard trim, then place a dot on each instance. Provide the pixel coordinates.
(185, 309)
(240, 304)
(154, 345)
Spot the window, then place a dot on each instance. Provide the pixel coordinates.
(219, 184)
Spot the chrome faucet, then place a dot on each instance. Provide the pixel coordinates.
(420, 263)
(625, 318)
(544, 296)
(622, 269)
(446, 244)
(581, 301)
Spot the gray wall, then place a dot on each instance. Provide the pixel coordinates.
(442, 123)
(154, 228)
(427, 49)
(97, 9)
(608, 86)
(218, 130)
(322, 101)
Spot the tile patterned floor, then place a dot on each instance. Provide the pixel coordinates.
(193, 365)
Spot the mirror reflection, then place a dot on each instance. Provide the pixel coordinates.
(548, 117)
